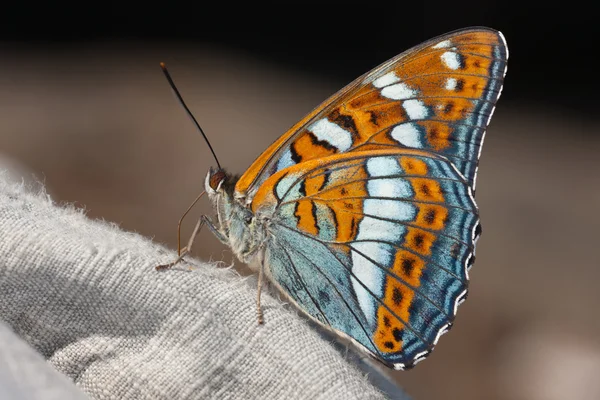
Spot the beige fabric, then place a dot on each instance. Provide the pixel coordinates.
(86, 296)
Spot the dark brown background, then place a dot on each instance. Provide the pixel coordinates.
(85, 109)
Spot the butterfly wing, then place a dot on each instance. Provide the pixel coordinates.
(438, 96)
(374, 244)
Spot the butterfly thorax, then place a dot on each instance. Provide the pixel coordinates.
(243, 231)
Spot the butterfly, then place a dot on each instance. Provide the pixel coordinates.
(363, 213)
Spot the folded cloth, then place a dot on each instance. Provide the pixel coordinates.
(85, 295)
(25, 375)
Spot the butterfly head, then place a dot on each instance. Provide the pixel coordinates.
(214, 181)
(236, 223)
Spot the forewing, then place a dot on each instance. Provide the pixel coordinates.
(438, 96)
(374, 244)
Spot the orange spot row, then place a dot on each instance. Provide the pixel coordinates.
(418, 240)
(432, 216)
(409, 267)
(427, 190)
(384, 337)
(398, 298)
(413, 166)
(437, 133)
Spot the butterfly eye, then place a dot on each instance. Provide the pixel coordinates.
(216, 179)
(248, 219)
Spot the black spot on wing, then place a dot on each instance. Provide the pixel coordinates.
(386, 321)
(449, 107)
(455, 250)
(408, 264)
(418, 240)
(321, 143)
(430, 216)
(295, 156)
(397, 296)
(302, 188)
(302, 191)
(374, 117)
(324, 297)
(461, 61)
(326, 177)
(345, 122)
(313, 210)
(334, 218)
(397, 334)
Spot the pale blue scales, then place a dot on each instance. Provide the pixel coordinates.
(308, 255)
(325, 221)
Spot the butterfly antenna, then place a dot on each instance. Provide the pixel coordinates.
(172, 84)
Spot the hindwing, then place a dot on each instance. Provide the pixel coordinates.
(375, 245)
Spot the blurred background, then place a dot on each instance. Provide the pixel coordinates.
(85, 110)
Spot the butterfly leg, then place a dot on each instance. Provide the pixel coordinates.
(204, 220)
(213, 229)
(259, 312)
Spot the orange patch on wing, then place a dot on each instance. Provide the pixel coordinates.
(313, 184)
(342, 192)
(378, 117)
(474, 60)
(483, 49)
(449, 84)
(306, 219)
(347, 223)
(452, 109)
(307, 149)
(384, 337)
(413, 166)
(432, 216)
(481, 38)
(418, 240)
(476, 64)
(432, 63)
(378, 142)
(437, 134)
(427, 190)
(336, 186)
(397, 298)
(472, 86)
(365, 97)
(346, 202)
(264, 197)
(409, 267)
